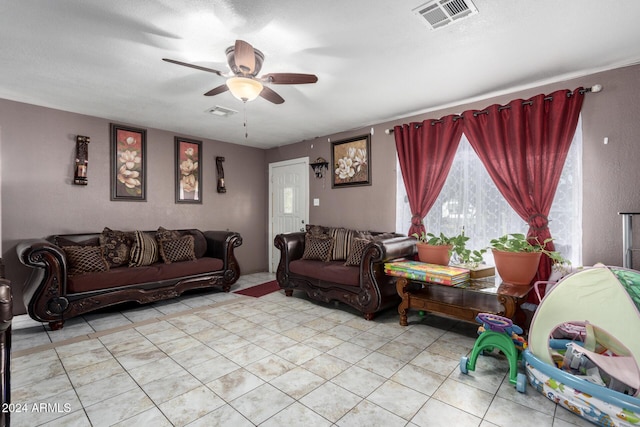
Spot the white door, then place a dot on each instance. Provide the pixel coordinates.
(288, 201)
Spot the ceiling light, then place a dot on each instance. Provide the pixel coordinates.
(244, 89)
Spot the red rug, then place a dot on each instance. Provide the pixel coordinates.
(260, 290)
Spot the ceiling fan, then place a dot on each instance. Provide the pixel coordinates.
(245, 63)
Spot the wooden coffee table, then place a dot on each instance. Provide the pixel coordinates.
(464, 301)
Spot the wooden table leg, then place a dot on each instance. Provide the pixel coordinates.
(403, 308)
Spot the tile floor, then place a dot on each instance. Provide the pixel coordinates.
(218, 359)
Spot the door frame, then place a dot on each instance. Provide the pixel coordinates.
(305, 161)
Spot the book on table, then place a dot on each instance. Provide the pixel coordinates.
(433, 273)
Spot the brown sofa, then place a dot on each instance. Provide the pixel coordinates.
(353, 273)
(69, 279)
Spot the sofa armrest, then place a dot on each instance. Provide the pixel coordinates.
(392, 248)
(45, 291)
(6, 305)
(221, 245)
(291, 246)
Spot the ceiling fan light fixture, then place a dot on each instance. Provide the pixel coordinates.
(244, 89)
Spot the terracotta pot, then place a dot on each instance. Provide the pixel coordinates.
(434, 254)
(517, 268)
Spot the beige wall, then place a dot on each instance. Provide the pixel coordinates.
(38, 199)
(611, 172)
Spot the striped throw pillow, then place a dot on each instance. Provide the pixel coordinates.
(342, 238)
(144, 250)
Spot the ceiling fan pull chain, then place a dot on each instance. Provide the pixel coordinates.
(246, 128)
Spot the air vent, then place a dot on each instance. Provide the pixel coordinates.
(439, 13)
(221, 111)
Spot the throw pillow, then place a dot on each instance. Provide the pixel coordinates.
(317, 230)
(342, 238)
(116, 247)
(175, 250)
(317, 248)
(84, 259)
(357, 251)
(144, 250)
(164, 234)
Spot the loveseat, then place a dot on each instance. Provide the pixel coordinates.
(75, 274)
(338, 264)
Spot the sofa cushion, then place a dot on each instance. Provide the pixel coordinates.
(342, 238)
(176, 250)
(317, 248)
(116, 246)
(356, 252)
(316, 230)
(164, 234)
(199, 241)
(84, 259)
(144, 250)
(125, 276)
(332, 271)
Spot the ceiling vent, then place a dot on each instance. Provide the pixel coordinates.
(221, 111)
(439, 13)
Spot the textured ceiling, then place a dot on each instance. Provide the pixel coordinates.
(375, 59)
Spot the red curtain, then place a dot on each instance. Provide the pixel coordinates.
(426, 151)
(523, 146)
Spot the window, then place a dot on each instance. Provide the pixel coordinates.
(470, 199)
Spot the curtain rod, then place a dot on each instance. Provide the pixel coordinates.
(594, 89)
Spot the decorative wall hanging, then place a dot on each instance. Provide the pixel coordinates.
(128, 163)
(188, 170)
(82, 160)
(221, 187)
(319, 167)
(350, 160)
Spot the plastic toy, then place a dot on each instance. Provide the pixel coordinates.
(498, 332)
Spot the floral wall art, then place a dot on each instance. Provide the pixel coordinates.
(188, 171)
(128, 162)
(351, 162)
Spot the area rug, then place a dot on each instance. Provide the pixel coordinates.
(260, 290)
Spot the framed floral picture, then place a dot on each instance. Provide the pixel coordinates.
(188, 170)
(350, 160)
(128, 163)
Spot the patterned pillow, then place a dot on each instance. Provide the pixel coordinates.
(84, 259)
(356, 253)
(144, 250)
(342, 238)
(317, 230)
(116, 246)
(175, 250)
(317, 248)
(164, 234)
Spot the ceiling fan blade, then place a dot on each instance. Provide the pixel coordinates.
(197, 67)
(289, 78)
(245, 57)
(217, 90)
(271, 96)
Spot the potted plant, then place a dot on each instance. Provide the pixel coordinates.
(434, 249)
(517, 257)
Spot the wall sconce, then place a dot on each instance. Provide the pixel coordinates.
(319, 166)
(82, 160)
(221, 188)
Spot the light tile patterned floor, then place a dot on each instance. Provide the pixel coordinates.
(218, 359)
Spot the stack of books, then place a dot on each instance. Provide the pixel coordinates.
(414, 270)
